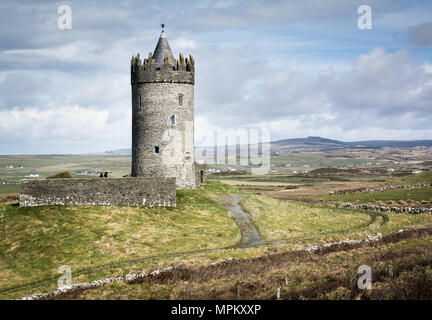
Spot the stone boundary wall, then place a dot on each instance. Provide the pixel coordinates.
(386, 188)
(410, 210)
(148, 192)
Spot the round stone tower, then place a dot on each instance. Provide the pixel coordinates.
(163, 116)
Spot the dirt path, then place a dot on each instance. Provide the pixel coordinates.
(250, 236)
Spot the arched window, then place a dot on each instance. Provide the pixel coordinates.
(173, 120)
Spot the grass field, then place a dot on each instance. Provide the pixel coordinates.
(423, 177)
(36, 241)
(97, 242)
(413, 197)
(9, 189)
(421, 196)
(273, 178)
(47, 165)
(278, 219)
(331, 276)
(297, 222)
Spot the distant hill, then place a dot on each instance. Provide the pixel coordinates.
(319, 143)
(390, 143)
(305, 144)
(120, 152)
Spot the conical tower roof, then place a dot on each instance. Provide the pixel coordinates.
(163, 48)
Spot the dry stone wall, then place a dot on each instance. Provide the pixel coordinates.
(149, 192)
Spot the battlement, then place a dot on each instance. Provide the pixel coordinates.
(177, 71)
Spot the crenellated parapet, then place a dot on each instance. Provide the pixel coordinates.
(177, 71)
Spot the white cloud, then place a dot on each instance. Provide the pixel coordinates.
(427, 67)
(70, 52)
(183, 44)
(253, 68)
(380, 94)
(64, 126)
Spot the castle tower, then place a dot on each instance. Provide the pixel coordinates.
(163, 116)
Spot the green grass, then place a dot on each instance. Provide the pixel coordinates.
(47, 165)
(423, 177)
(272, 178)
(9, 188)
(331, 276)
(298, 222)
(101, 241)
(418, 195)
(61, 175)
(278, 219)
(36, 241)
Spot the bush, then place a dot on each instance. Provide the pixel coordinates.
(61, 175)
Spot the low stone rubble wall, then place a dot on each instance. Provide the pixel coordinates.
(411, 210)
(385, 188)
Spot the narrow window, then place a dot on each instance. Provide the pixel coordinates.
(180, 100)
(156, 149)
(173, 120)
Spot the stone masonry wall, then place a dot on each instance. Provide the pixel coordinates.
(153, 105)
(149, 192)
(162, 127)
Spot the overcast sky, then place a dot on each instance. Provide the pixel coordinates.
(300, 68)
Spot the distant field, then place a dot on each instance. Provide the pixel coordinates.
(334, 158)
(9, 189)
(47, 165)
(272, 178)
(423, 177)
(417, 195)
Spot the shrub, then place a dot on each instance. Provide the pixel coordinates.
(403, 203)
(61, 175)
(340, 293)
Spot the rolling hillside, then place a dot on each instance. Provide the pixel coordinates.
(319, 143)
